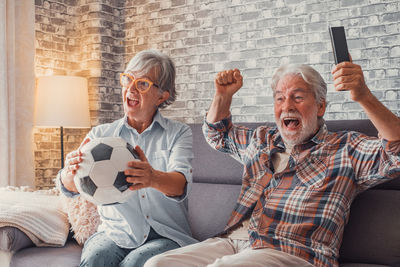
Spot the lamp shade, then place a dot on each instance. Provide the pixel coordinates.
(62, 101)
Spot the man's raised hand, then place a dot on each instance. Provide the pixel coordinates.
(228, 82)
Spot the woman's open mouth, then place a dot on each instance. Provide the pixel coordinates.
(132, 102)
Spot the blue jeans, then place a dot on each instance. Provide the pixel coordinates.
(99, 250)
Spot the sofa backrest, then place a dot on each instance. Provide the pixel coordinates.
(371, 236)
(209, 163)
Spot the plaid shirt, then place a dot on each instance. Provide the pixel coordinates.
(303, 209)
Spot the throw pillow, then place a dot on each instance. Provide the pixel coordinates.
(82, 216)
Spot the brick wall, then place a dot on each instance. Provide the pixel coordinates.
(205, 37)
(79, 38)
(96, 39)
(47, 152)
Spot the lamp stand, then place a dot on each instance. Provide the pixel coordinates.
(62, 146)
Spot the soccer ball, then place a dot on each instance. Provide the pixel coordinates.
(100, 177)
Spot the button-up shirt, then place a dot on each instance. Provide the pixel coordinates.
(302, 210)
(167, 145)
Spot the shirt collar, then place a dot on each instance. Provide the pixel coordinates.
(318, 138)
(157, 119)
(160, 119)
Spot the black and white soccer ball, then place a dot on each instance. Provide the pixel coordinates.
(100, 177)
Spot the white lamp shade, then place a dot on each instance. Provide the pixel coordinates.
(62, 101)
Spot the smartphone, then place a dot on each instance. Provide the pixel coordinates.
(339, 44)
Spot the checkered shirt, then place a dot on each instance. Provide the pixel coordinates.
(303, 209)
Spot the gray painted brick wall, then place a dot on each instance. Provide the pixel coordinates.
(96, 39)
(257, 36)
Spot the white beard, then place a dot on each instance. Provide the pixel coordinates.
(308, 128)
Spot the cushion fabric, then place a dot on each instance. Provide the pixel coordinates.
(207, 162)
(372, 234)
(210, 206)
(13, 239)
(69, 255)
(361, 265)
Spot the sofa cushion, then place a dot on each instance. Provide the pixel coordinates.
(361, 265)
(392, 185)
(362, 126)
(12, 239)
(210, 206)
(208, 163)
(372, 234)
(67, 256)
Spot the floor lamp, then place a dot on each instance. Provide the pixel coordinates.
(62, 101)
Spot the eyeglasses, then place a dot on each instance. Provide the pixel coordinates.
(141, 84)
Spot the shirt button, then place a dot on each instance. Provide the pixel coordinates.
(147, 216)
(143, 196)
(145, 236)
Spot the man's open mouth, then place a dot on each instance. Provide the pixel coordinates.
(291, 122)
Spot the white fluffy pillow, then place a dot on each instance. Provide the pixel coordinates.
(82, 216)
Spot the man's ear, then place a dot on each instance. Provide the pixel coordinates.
(163, 97)
(321, 108)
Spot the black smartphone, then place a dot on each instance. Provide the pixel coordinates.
(339, 44)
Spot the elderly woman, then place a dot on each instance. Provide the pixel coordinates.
(154, 219)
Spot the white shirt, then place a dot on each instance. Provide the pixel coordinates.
(167, 145)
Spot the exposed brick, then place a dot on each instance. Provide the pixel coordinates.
(395, 51)
(347, 3)
(96, 39)
(373, 9)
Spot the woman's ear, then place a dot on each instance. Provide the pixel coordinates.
(163, 97)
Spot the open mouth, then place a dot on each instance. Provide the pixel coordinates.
(132, 102)
(291, 122)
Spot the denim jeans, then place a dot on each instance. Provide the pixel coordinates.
(100, 251)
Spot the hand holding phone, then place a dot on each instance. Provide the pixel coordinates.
(339, 44)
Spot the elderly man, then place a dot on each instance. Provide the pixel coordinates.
(299, 179)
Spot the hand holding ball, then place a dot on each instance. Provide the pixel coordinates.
(100, 177)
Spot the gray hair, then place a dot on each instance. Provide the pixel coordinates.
(144, 61)
(309, 75)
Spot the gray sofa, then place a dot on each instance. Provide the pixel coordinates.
(371, 238)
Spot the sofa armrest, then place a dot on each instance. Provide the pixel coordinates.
(12, 239)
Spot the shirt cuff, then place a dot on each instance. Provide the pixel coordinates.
(182, 197)
(220, 126)
(186, 189)
(62, 188)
